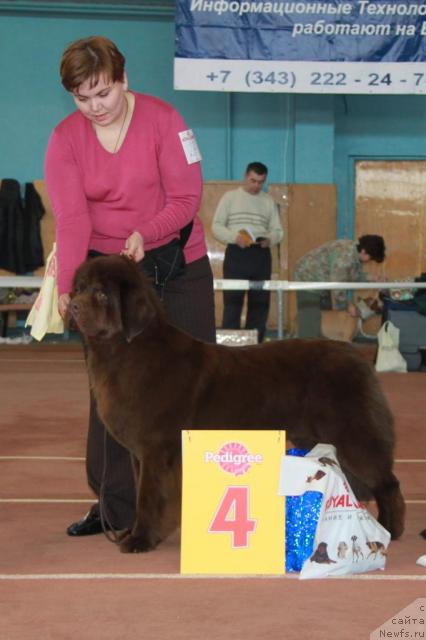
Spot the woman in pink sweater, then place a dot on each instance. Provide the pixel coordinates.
(123, 176)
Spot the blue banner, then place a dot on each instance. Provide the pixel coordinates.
(336, 46)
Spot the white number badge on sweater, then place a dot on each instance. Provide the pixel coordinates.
(190, 146)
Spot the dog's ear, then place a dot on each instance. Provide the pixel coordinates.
(138, 309)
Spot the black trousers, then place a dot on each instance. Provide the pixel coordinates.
(252, 263)
(189, 304)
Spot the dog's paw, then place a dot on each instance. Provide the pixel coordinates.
(393, 525)
(396, 530)
(131, 543)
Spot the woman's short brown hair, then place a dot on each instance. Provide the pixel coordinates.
(373, 245)
(90, 58)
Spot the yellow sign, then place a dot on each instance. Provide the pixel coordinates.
(232, 517)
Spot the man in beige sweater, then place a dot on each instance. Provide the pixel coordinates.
(248, 222)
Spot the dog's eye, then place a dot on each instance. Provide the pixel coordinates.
(101, 296)
(79, 287)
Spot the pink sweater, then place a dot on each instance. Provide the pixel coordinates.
(100, 198)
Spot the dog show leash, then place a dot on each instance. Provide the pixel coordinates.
(107, 527)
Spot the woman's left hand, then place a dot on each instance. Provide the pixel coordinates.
(134, 248)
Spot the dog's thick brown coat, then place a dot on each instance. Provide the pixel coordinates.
(151, 380)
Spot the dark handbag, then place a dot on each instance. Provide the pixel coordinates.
(166, 262)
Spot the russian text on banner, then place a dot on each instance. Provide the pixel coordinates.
(307, 46)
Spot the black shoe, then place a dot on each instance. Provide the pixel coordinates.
(88, 526)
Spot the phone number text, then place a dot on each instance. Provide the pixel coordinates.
(255, 77)
(308, 77)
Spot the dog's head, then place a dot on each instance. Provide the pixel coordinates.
(111, 297)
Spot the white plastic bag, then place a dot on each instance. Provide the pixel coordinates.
(348, 538)
(389, 357)
(44, 315)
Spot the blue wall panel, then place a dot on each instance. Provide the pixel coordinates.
(302, 138)
(33, 100)
(261, 126)
(314, 139)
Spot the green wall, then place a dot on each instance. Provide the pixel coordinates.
(302, 138)
(232, 129)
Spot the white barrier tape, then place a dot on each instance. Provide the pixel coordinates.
(286, 285)
(24, 282)
(34, 282)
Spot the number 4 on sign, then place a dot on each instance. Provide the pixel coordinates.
(235, 503)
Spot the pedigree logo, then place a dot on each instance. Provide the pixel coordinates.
(233, 458)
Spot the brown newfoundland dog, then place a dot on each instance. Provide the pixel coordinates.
(151, 380)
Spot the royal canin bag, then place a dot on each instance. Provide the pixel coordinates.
(348, 539)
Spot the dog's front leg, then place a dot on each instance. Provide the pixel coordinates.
(158, 501)
(137, 470)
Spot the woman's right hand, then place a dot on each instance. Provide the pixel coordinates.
(134, 247)
(63, 302)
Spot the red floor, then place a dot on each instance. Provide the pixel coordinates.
(55, 587)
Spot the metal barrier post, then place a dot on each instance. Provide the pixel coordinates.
(280, 313)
